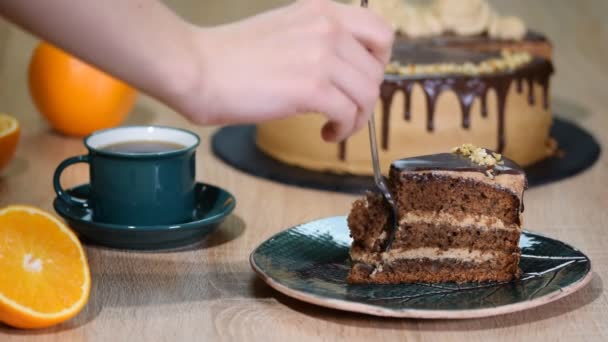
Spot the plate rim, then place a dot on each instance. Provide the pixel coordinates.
(356, 307)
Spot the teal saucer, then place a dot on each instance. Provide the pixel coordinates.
(214, 205)
(310, 262)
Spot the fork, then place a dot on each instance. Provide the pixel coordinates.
(391, 223)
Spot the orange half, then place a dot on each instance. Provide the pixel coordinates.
(45, 276)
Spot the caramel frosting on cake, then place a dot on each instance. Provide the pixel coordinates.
(462, 254)
(479, 221)
(434, 98)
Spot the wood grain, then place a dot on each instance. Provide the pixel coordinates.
(209, 292)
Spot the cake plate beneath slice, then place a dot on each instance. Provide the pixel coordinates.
(236, 146)
(310, 262)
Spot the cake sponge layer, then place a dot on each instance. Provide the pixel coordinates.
(434, 271)
(456, 196)
(446, 237)
(368, 217)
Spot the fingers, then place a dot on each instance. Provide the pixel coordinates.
(340, 111)
(348, 102)
(358, 86)
(368, 28)
(351, 51)
(329, 132)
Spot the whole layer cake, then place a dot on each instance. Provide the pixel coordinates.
(459, 220)
(439, 91)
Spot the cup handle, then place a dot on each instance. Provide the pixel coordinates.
(80, 202)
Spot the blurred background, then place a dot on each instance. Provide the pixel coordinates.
(577, 35)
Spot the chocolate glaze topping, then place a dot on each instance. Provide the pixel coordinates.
(451, 39)
(454, 162)
(467, 88)
(419, 54)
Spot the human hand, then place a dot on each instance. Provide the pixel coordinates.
(311, 56)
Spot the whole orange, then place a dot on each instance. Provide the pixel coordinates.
(74, 97)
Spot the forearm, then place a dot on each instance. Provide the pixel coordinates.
(310, 56)
(139, 41)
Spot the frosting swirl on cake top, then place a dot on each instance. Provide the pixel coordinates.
(460, 17)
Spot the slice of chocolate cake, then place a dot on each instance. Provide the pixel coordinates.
(459, 220)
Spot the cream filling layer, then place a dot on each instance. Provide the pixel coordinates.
(482, 222)
(461, 254)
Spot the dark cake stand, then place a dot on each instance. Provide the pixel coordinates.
(236, 146)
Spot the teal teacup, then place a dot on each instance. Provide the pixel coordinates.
(140, 175)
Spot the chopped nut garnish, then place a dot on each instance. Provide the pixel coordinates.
(480, 156)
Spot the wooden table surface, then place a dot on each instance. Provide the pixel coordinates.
(209, 291)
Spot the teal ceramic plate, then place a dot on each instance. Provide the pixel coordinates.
(214, 205)
(310, 262)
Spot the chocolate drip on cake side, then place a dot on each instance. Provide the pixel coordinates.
(387, 93)
(467, 90)
(484, 105)
(520, 85)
